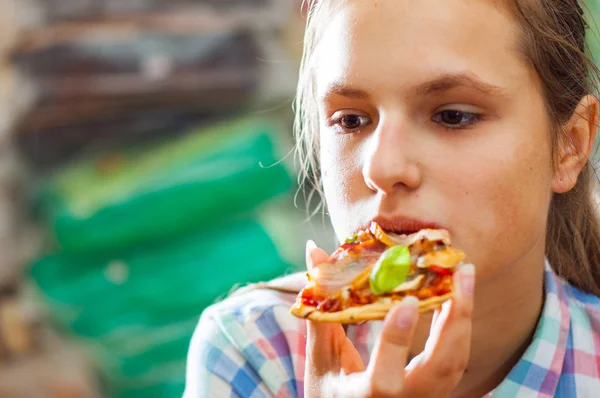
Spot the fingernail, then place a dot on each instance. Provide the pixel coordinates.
(467, 279)
(310, 246)
(405, 314)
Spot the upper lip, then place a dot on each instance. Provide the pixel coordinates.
(403, 225)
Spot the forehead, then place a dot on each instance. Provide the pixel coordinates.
(393, 43)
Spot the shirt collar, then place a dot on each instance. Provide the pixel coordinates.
(539, 369)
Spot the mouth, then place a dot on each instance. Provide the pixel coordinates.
(401, 225)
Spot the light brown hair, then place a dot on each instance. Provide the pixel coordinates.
(554, 42)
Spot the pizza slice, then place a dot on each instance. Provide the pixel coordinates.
(368, 274)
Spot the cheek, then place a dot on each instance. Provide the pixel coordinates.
(343, 183)
(504, 195)
(507, 194)
(336, 166)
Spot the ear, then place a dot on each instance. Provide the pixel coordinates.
(576, 144)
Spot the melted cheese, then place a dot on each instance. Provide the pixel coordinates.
(392, 239)
(412, 284)
(448, 258)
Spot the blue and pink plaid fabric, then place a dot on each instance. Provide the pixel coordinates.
(249, 346)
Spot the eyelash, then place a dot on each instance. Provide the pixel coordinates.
(472, 118)
(365, 121)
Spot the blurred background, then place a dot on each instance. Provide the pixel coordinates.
(140, 140)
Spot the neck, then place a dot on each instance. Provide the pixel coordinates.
(507, 310)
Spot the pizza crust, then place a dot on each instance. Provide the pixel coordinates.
(369, 312)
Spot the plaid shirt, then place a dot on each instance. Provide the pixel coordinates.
(250, 346)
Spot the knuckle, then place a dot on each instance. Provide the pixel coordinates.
(450, 368)
(384, 387)
(464, 311)
(395, 337)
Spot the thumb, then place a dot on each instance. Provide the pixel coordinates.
(323, 345)
(322, 339)
(314, 255)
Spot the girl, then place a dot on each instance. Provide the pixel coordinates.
(472, 115)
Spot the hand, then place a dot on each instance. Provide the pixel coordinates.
(335, 369)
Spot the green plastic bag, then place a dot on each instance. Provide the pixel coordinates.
(136, 309)
(129, 198)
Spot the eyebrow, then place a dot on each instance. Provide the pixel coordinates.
(345, 91)
(452, 81)
(441, 84)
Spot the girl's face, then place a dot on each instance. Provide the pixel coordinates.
(429, 111)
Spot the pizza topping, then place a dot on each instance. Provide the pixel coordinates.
(310, 300)
(434, 236)
(448, 258)
(411, 284)
(439, 246)
(357, 297)
(353, 239)
(360, 237)
(391, 270)
(362, 280)
(381, 235)
(440, 270)
(331, 278)
(344, 267)
(330, 305)
(436, 286)
(376, 266)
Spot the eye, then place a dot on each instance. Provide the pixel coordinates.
(351, 122)
(454, 119)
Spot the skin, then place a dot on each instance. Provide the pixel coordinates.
(428, 110)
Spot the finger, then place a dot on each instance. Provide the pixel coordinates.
(341, 386)
(390, 355)
(314, 255)
(447, 351)
(323, 340)
(320, 336)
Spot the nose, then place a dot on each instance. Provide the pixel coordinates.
(391, 162)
